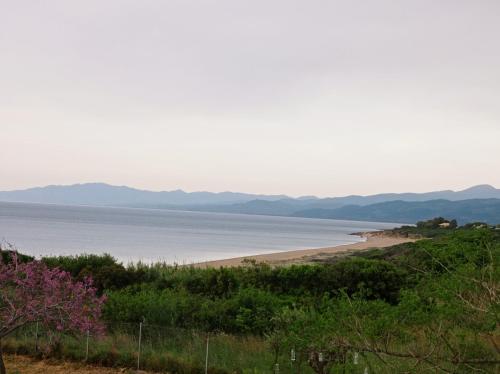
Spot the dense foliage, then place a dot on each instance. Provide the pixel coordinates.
(447, 321)
(236, 300)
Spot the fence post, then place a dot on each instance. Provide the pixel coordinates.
(139, 350)
(87, 346)
(206, 354)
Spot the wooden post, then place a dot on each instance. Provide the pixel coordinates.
(206, 355)
(139, 350)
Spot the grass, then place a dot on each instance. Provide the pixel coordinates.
(172, 351)
(162, 349)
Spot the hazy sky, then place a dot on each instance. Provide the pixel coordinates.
(298, 97)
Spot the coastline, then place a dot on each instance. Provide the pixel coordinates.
(376, 239)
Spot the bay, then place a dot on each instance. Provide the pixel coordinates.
(131, 234)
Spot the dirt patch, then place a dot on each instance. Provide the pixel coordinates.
(26, 365)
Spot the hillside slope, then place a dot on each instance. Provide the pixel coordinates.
(484, 210)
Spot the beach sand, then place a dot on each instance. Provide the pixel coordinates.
(377, 239)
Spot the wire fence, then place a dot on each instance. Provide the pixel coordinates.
(158, 348)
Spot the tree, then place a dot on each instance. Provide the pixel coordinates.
(31, 292)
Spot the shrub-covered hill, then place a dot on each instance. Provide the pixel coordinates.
(485, 210)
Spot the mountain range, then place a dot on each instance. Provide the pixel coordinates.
(477, 203)
(108, 195)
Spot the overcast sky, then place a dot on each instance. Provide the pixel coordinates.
(297, 97)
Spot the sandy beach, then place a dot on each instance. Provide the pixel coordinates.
(376, 239)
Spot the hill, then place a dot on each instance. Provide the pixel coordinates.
(105, 194)
(484, 210)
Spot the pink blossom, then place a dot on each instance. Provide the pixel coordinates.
(32, 292)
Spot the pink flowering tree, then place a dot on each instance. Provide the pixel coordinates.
(31, 292)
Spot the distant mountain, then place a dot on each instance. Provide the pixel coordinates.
(105, 194)
(311, 202)
(483, 191)
(347, 207)
(317, 208)
(472, 210)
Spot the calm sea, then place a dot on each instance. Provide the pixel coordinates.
(171, 236)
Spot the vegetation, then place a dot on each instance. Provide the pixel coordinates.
(428, 306)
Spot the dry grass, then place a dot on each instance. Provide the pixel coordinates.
(24, 365)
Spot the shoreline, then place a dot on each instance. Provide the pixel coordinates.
(375, 239)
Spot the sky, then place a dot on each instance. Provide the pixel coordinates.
(316, 97)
